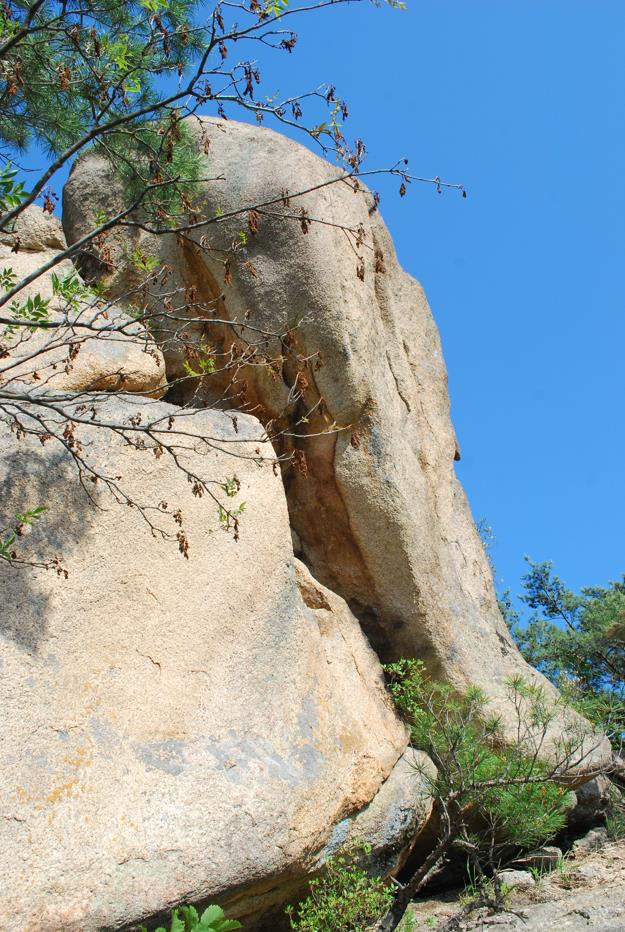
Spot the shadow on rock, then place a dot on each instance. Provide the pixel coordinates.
(32, 478)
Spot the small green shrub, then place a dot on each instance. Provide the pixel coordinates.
(213, 919)
(343, 899)
(504, 789)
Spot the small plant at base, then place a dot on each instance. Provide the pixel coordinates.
(472, 887)
(615, 825)
(537, 872)
(615, 819)
(343, 899)
(409, 923)
(561, 870)
(509, 786)
(213, 919)
(478, 887)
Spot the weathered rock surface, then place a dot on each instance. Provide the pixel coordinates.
(110, 361)
(178, 729)
(392, 820)
(593, 799)
(517, 880)
(378, 512)
(593, 840)
(35, 230)
(546, 858)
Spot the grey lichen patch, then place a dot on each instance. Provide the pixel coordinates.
(237, 757)
(307, 717)
(337, 839)
(104, 733)
(168, 756)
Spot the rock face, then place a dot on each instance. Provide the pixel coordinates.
(378, 511)
(211, 724)
(119, 361)
(593, 840)
(593, 800)
(178, 729)
(517, 880)
(393, 819)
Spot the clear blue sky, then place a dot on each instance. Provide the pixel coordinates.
(522, 101)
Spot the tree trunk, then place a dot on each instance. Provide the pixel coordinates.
(420, 877)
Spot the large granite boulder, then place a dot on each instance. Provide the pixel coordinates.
(94, 347)
(377, 510)
(178, 729)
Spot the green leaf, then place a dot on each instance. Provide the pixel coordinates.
(132, 86)
(190, 915)
(154, 6)
(211, 914)
(27, 517)
(177, 924)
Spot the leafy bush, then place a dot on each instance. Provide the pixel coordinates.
(213, 919)
(343, 899)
